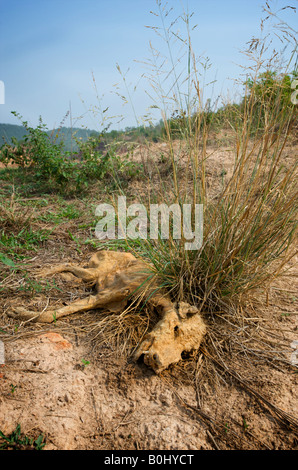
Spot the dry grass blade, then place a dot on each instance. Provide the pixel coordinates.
(285, 419)
(217, 429)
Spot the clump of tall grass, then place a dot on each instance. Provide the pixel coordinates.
(250, 227)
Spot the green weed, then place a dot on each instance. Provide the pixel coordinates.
(26, 239)
(17, 441)
(56, 170)
(13, 388)
(85, 362)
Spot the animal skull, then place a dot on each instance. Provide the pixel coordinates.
(181, 329)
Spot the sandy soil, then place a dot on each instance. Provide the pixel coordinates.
(49, 387)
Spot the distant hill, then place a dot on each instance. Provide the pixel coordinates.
(65, 134)
(70, 135)
(7, 131)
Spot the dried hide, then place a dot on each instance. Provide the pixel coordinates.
(118, 277)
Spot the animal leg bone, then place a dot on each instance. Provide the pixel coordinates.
(86, 274)
(102, 299)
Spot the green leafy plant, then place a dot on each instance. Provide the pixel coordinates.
(16, 152)
(94, 164)
(85, 362)
(7, 261)
(48, 158)
(245, 424)
(270, 94)
(68, 172)
(17, 441)
(12, 388)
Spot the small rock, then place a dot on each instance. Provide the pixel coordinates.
(58, 341)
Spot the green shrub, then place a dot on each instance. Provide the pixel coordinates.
(62, 171)
(269, 97)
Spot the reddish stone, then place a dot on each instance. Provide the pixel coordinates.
(58, 341)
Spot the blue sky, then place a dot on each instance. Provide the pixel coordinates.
(50, 51)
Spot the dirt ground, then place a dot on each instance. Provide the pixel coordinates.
(55, 381)
(111, 404)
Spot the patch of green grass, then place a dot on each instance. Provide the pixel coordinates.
(7, 261)
(25, 240)
(18, 441)
(70, 212)
(25, 181)
(32, 287)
